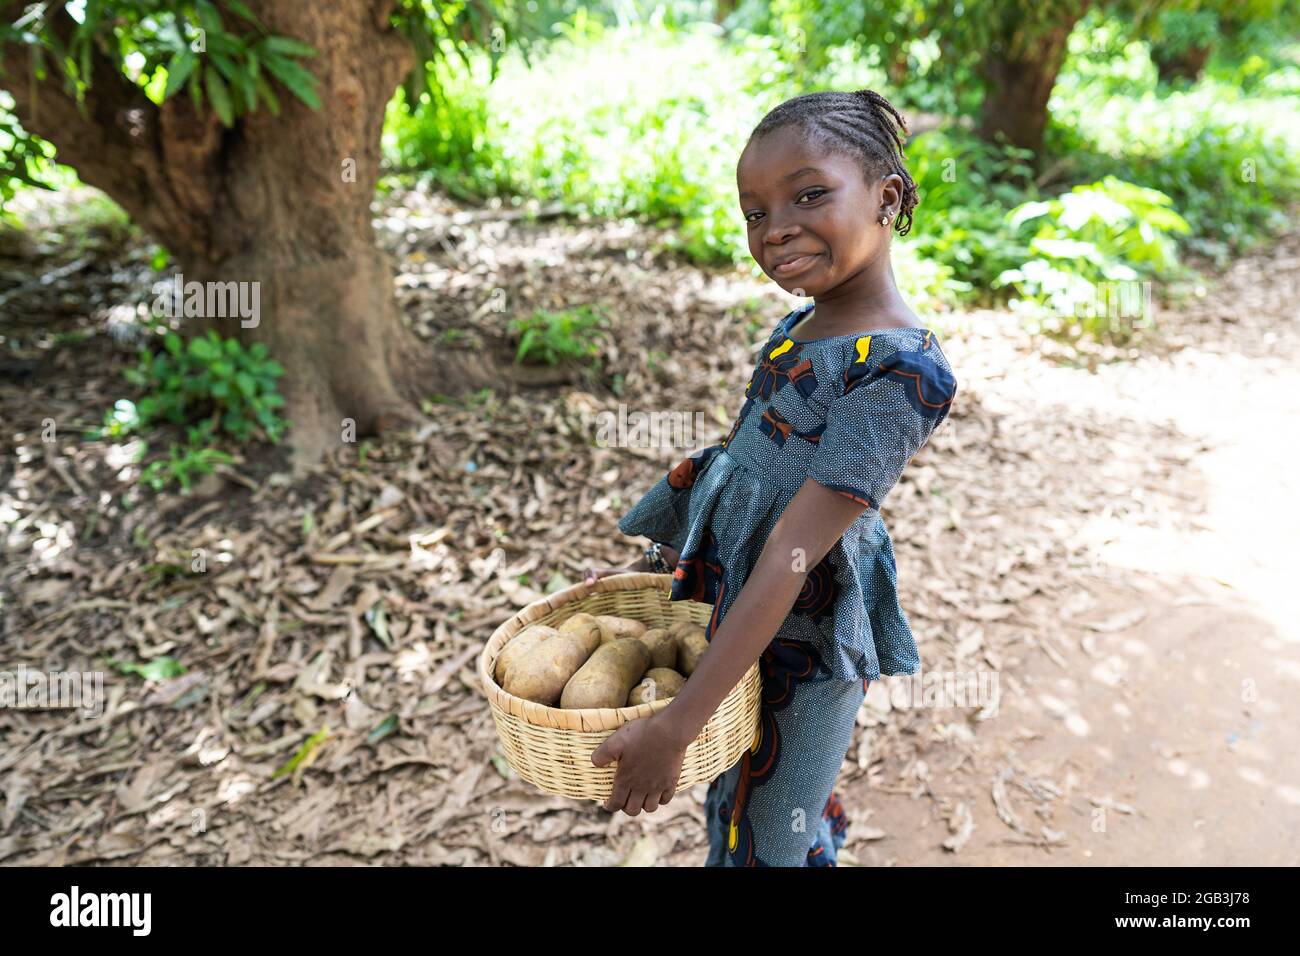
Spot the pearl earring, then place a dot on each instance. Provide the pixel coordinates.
(884, 220)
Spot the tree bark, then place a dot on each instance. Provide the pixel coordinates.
(1186, 64)
(1020, 71)
(270, 201)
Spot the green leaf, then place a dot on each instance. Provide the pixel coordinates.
(242, 11)
(219, 96)
(203, 350)
(298, 81)
(377, 618)
(223, 64)
(1027, 211)
(288, 46)
(268, 95)
(385, 728)
(178, 71)
(247, 83)
(196, 91)
(312, 742)
(209, 17)
(158, 669)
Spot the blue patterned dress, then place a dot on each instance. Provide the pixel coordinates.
(848, 411)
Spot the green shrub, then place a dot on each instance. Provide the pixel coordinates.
(1086, 242)
(182, 465)
(219, 384)
(964, 188)
(553, 337)
(1228, 161)
(657, 137)
(210, 386)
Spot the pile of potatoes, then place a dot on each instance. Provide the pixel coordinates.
(599, 661)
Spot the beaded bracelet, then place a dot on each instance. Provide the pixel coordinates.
(654, 557)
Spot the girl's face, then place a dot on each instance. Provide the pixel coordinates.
(812, 220)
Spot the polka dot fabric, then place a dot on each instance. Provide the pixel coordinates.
(776, 806)
(848, 411)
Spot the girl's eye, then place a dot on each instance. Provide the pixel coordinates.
(812, 194)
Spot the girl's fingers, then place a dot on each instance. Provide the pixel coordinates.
(618, 797)
(595, 574)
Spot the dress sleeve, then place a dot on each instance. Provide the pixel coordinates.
(885, 413)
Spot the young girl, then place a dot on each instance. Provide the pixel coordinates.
(778, 527)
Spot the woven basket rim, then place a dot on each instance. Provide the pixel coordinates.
(563, 718)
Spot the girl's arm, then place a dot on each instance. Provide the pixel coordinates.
(811, 524)
(639, 564)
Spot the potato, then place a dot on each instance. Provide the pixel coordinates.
(518, 646)
(684, 627)
(663, 648)
(691, 645)
(659, 683)
(581, 623)
(614, 628)
(643, 693)
(606, 678)
(541, 674)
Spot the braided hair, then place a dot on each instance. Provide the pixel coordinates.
(863, 124)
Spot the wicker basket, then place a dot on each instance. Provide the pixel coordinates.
(551, 747)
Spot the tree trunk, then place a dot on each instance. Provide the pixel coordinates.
(283, 202)
(1187, 64)
(1020, 71)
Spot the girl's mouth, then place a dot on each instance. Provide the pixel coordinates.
(794, 266)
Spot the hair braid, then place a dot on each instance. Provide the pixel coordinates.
(863, 124)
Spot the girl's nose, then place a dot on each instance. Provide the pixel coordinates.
(780, 232)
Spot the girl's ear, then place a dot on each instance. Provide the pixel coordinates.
(891, 193)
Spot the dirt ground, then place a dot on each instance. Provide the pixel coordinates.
(1103, 535)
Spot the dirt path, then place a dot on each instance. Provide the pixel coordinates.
(1170, 736)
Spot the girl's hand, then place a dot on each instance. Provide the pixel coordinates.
(649, 765)
(595, 574)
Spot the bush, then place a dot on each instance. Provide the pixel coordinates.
(210, 386)
(554, 337)
(656, 138)
(1227, 161)
(222, 385)
(1085, 245)
(965, 187)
